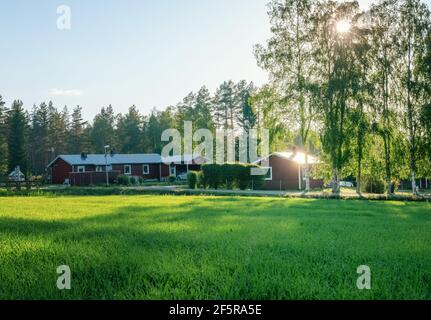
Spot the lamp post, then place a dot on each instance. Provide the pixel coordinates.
(106, 165)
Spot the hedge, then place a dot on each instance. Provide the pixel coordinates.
(124, 180)
(230, 176)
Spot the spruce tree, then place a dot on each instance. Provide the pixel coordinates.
(3, 138)
(17, 124)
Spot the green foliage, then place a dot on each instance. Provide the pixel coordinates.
(103, 130)
(17, 122)
(39, 139)
(193, 179)
(374, 185)
(231, 176)
(211, 173)
(202, 181)
(129, 131)
(3, 139)
(124, 180)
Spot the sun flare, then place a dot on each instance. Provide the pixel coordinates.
(343, 26)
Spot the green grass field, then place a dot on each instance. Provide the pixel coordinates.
(166, 247)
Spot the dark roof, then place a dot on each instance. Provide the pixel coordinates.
(100, 160)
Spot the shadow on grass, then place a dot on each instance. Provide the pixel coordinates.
(215, 249)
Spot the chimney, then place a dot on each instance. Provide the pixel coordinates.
(83, 156)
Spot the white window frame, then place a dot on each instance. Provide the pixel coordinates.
(130, 170)
(99, 168)
(270, 173)
(80, 169)
(146, 169)
(175, 171)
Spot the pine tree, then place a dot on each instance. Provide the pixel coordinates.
(246, 117)
(225, 107)
(3, 138)
(57, 131)
(17, 124)
(103, 131)
(76, 143)
(129, 131)
(152, 133)
(39, 139)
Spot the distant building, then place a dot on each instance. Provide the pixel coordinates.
(287, 171)
(17, 175)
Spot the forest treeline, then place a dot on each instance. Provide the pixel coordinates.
(31, 139)
(351, 86)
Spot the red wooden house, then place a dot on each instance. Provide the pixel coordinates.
(91, 169)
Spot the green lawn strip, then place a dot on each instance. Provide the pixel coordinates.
(173, 247)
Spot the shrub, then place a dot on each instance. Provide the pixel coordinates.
(257, 181)
(212, 174)
(192, 179)
(243, 177)
(123, 180)
(395, 186)
(375, 185)
(230, 175)
(202, 181)
(172, 179)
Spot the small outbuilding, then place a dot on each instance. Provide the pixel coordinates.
(17, 175)
(286, 171)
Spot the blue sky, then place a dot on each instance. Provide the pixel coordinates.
(150, 53)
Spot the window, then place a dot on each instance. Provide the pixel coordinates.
(268, 176)
(81, 169)
(146, 169)
(128, 170)
(99, 169)
(173, 171)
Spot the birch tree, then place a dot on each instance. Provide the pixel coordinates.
(287, 57)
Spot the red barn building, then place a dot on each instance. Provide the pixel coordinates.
(286, 171)
(91, 169)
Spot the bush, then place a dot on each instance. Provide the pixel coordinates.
(202, 181)
(258, 182)
(395, 186)
(212, 175)
(230, 176)
(172, 179)
(192, 179)
(123, 180)
(375, 185)
(243, 177)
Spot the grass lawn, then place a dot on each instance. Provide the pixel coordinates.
(167, 247)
